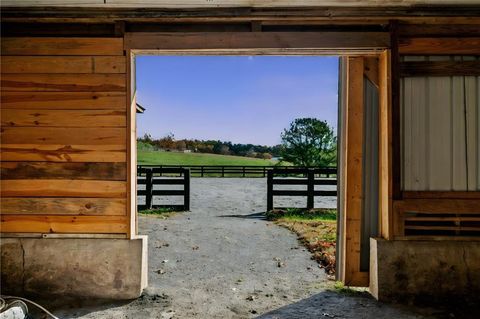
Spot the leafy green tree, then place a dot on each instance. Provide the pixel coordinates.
(309, 142)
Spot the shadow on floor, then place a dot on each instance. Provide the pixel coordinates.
(74, 308)
(332, 304)
(257, 216)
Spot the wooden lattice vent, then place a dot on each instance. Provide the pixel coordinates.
(429, 218)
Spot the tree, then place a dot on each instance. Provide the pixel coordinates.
(309, 142)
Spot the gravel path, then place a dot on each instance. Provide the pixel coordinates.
(221, 260)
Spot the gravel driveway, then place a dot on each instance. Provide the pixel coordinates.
(222, 260)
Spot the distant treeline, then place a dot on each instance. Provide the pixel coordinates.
(169, 143)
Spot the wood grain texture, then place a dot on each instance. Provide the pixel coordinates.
(62, 46)
(64, 100)
(63, 224)
(63, 118)
(67, 136)
(225, 3)
(53, 170)
(354, 173)
(440, 68)
(64, 206)
(438, 30)
(255, 40)
(62, 64)
(385, 186)
(441, 46)
(63, 153)
(439, 206)
(62, 188)
(116, 64)
(63, 82)
(441, 194)
(371, 69)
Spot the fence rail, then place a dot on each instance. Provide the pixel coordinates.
(309, 180)
(238, 170)
(153, 176)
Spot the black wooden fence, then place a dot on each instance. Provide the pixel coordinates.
(155, 176)
(299, 176)
(233, 170)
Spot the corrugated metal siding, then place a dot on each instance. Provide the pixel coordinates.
(440, 131)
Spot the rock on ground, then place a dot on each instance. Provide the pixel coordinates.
(222, 260)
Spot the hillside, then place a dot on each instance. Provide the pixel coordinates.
(173, 158)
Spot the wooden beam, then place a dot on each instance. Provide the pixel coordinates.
(353, 195)
(256, 40)
(440, 68)
(371, 69)
(458, 14)
(440, 206)
(438, 30)
(441, 195)
(385, 147)
(131, 142)
(440, 46)
(395, 109)
(62, 46)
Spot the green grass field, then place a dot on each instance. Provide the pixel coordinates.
(172, 158)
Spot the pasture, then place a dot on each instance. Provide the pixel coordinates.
(174, 158)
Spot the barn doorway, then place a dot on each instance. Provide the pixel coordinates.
(362, 71)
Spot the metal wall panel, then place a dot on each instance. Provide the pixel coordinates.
(440, 131)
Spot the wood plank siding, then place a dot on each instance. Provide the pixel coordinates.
(63, 136)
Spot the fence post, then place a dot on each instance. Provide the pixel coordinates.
(269, 190)
(244, 171)
(310, 188)
(201, 171)
(223, 171)
(186, 189)
(264, 171)
(148, 188)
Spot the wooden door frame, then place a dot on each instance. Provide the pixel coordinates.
(351, 44)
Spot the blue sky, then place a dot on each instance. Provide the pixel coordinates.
(240, 99)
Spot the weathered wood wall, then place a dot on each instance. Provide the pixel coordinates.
(64, 136)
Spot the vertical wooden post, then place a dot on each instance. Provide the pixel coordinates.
(148, 188)
(243, 171)
(353, 174)
(186, 189)
(385, 152)
(223, 171)
(395, 110)
(310, 188)
(269, 190)
(201, 171)
(264, 171)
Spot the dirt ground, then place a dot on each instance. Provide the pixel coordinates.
(222, 260)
